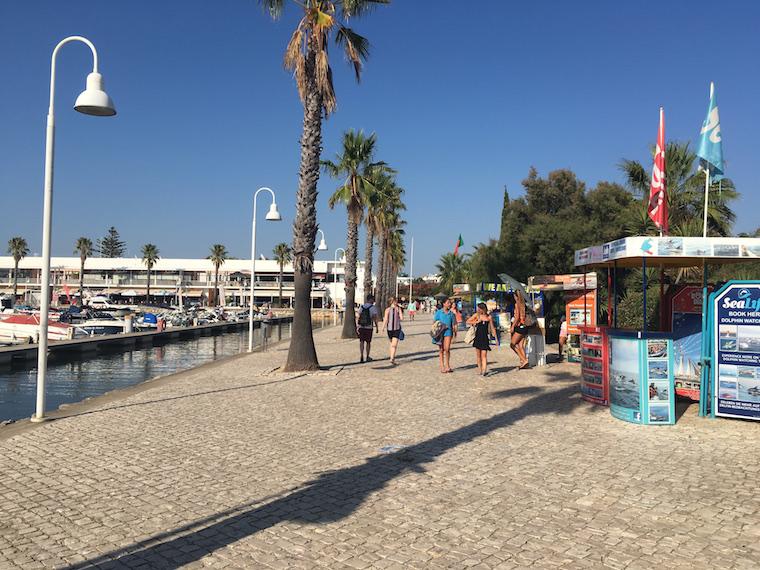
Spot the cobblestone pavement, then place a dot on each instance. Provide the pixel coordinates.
(235, 465)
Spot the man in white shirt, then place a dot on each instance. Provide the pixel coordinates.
(366, 319)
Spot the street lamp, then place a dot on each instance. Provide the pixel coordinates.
(273, 216)
(322, 243)
(92, 101)
(335, 284)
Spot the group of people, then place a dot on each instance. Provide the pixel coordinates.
(448, 321)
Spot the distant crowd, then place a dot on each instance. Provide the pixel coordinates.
(480, 329)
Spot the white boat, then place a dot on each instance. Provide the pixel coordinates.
(26, 328)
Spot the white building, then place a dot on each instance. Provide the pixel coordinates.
(193, 279)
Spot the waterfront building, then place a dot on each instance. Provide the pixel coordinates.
(191, 280)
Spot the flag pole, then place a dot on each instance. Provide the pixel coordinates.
(707, 177)
(707, 190)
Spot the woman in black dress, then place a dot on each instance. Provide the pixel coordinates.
(483, 324)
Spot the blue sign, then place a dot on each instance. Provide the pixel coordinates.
(641, 378)
(736, 346)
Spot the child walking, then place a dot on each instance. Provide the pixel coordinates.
(484, 326)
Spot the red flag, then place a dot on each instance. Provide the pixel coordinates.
(658, 197)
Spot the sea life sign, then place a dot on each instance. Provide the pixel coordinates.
(736, 338)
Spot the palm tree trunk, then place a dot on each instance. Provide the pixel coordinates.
(279, 295)
(368, 252)
(15, 280)
(352, 246)
(381, 275)
(302, 355)
(147, 289)
(81, 281)
(216, 285)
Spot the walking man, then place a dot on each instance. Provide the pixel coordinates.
(366, 319)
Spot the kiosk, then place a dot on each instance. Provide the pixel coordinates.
(639, 367)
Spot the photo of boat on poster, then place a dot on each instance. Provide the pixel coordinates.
(624, 373)
(657, 348)
(748, 339)
(749, 391)
(687, 330)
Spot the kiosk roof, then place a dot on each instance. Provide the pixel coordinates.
(669, 251)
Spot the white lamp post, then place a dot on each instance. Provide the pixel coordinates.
(322, 243)
(335, 284)
(92, 101)
(273, 216)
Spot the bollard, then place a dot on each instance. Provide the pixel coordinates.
(128, 327)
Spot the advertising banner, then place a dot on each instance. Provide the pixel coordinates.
(641, 380)
(736, 346)
(686, 323)
(595, 387)
(625, 379)
(575, 305)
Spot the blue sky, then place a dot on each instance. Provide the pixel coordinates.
(463, 102)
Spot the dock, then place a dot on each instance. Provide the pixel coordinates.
(126, 341)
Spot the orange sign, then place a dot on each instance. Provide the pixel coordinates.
(576, 304)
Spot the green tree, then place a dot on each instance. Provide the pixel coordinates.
(355, 163)
(111, 245)
(218, 256)
(84, 248)
(282, 254)
(18, 249)
(307, 56)
(452, 269)
(150, 256)
(685, 191)
(383, 185)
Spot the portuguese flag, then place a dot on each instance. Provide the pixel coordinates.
(459, 244)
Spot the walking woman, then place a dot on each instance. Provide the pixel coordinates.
(483, 324)
(392, 324)
(519, 330)
(446, 316)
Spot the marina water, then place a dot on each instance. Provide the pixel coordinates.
(74, 379)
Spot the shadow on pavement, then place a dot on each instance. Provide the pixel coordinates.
(330, 497)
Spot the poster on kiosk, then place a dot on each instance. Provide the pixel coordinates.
(736, 346)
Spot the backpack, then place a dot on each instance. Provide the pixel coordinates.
(437, 330)
(365, 317)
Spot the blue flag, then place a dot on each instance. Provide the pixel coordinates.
(710, 151)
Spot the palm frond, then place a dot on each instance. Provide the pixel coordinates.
(358, 8)
(355, 46)
(274, 7)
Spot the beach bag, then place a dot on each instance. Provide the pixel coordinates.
(365, 317)
(401, 335)
(530, 317)
(437, 330)
(469, 336)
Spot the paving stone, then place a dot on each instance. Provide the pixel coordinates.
(236, 466)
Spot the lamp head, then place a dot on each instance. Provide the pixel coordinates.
(93, 100)
(273, 215)
(322, 245)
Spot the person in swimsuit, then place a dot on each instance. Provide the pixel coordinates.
(392, 324)
(484, 326)
(519, 330)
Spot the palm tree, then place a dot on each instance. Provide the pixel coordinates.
(150, 257)
(84, 249)
(19, 249)
(452, 269)
(356, 164)
(377, 201)
(218, 256)
(685, 187)
(307, 56)
(389, 222)
(282, 254)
